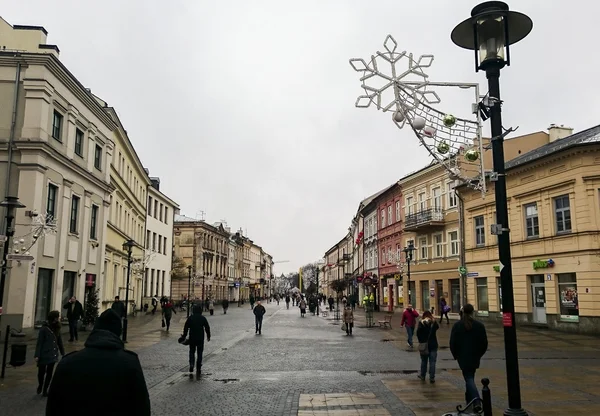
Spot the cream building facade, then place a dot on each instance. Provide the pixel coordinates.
(61, 151)
(554, 206)
(158, 257)
(127, 218)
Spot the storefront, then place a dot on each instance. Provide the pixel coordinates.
(428, 289)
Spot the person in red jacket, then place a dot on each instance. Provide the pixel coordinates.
(409, 319)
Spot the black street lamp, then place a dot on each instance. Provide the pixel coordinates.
(490, 30)
(408, 252)
(11, 203)
(189, 302)
(127, 246)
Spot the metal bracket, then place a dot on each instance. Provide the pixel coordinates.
(494, 176)
(506, 133)
(497, 229)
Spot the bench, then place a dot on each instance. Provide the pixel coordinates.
(387, 321)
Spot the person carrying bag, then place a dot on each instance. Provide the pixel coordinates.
(428, 345)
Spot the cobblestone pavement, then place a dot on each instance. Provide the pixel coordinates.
(307, 366)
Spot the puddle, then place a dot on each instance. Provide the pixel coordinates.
(227, 380)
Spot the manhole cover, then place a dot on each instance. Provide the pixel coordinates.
(227, 380)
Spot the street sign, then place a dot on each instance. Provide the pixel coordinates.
(19, 257)
(473, 274)
(462, 270)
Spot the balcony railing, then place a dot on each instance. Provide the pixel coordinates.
(431, 217)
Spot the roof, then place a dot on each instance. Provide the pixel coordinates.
(367, 201)
(183, 218)
(585, 137)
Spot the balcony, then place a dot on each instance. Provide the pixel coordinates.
(428, 218)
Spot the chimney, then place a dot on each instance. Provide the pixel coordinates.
(559, 132)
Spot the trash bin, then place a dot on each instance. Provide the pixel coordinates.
(18, 349)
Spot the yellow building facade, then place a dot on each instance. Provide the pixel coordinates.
(554, 220)
(127, 219)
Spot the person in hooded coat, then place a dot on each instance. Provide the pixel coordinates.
(196, 325)
(105, 370)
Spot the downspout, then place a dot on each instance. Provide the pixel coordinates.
(11, 137)
(462, 257)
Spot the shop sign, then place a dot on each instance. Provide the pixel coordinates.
(543, 264)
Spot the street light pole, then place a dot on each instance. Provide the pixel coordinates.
(189, 302)
(490, 30)
(408, 252)
(128, 246)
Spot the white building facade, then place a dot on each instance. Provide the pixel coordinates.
(62, 147)
(159, 243)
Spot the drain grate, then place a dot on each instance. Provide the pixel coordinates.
(227, 380)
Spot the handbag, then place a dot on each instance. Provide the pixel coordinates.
(343, 326)
(163, 323)
(424, 346)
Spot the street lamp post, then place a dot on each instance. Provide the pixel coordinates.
(189, 302)
(11, 203)
(127, 246)
(490, 30)
(408, 252)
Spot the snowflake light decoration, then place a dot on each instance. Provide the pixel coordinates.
(41, 225)
(139, 263)
(396, 81)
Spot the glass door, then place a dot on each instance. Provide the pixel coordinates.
(43, 294)
(454, 295)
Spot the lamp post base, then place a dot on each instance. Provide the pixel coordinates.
(515, 412)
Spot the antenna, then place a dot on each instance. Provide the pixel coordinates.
(200, 214)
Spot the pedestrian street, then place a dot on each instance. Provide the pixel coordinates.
(308, 366)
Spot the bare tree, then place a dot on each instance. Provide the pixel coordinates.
(179, 270)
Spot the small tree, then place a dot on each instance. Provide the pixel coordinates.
(91, 310)
(339, 286)
(311, 289)
(179, 270)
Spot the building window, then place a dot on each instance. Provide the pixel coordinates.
(482, 295)
(166, 215)
(165, 245)
(451, 196)
(98, 157)
(423, 249)
(397, 211)
(390, 220)
(376, 254)
(160, 240)
(160, 213)
(453, 237)
(479, 230)
(425, 296)
(562, 212)
(57, 122)
(532, 224)
(409, 205)
(153, 241)
(78, 142)
(149, 206)
(51, 202)
(155, 209)
(439, 245)
(422, 202)
(382, 256)
(569, 302)
(74, 214)
(389, 254)
(382, 218)
(437, 198)
(94, 222)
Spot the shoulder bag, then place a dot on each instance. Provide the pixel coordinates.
(424, 346)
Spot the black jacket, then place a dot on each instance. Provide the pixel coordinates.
(259, 311)
(168, 310)
(196, 325)
(49, 344)
(225, 303)
(103, 370)
(423, 334)
(468, 347)
(119, 308)
(74, 313)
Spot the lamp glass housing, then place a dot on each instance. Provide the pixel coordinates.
(490, 31)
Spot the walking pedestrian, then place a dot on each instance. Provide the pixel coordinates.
(211, 307)
(74, 314)
(167, 311)
(118, 307)
(468, 343)
(348, 319)
(287, 301)
(409, 319)
(330, 301)
(49, 345)
(103, 369)
(302, 305)
(428, 345)
(353, 301)
(196, 325)
(154, 303)
(252, 301)
(444, 309)
(259, 312)
(225, 306)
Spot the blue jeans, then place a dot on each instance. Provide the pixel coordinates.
(410, 331)
(432, 358)
(470, 386)
(258, 320)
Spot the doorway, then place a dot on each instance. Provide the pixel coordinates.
(538, 299)
(391, 298)
(439, 293)
(43, 294)
(454, 295)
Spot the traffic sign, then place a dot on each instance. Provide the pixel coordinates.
(462, 270)
(19, 257)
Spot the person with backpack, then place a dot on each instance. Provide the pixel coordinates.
(468, 344)
(428, 345)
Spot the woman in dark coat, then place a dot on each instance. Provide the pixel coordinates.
(427, 333)
(168, 310)
(49, 344)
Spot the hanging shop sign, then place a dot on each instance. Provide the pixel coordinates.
(543, 264)
(367, 281)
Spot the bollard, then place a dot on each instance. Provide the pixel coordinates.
(486, 397)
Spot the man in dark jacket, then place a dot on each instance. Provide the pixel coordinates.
(118, 307)
(74, 313)
(196, 324)
(468, 343)
(225, 305)
(103, 369)
(259, 312)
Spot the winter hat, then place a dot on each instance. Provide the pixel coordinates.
(109, 321)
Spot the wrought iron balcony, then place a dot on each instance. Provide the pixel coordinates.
(428, 218)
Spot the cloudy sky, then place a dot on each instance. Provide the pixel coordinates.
(245, 109)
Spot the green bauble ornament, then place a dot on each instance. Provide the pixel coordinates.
(471, 155)
(443, 148)
(449, 120)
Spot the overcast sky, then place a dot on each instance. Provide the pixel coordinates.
(245, 109)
